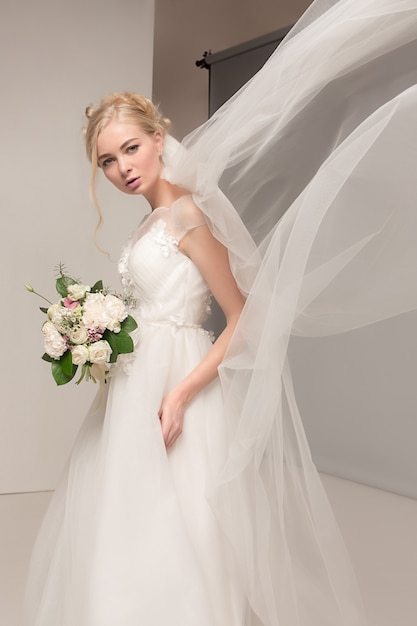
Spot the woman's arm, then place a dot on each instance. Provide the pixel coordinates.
(211, 258)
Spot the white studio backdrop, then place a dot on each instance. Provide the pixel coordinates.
(56, 58)
(366, 430)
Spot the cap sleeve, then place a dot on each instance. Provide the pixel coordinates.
(185, 215)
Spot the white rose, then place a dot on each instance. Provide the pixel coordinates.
(80, 355)
(77, 292)
(54, 310)
(93, 298)
(55, 345)
(100, 352)
(116, 312)
(78, 334)
(94, 314)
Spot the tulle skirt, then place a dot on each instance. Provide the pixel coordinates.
(129, 537)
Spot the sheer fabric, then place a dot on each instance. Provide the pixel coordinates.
(129, 538)
(317, 155)
(307, 175)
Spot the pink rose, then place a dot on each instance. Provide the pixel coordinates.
(70, 304)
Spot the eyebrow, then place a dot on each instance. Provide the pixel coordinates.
(124, 144)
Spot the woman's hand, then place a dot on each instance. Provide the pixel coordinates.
(171, 415)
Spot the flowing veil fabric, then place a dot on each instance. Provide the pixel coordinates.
(317, 155)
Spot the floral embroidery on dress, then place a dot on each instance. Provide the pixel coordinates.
(160, 235)
(128, 286)
(166, 243)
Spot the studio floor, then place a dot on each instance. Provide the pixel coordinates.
(380, 530)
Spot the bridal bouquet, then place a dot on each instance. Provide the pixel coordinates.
(89, 327)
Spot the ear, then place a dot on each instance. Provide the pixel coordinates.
(159, 142)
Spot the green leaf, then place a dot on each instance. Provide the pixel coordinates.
(110, 338)
(128, 324)
(98, 286)
(62, 285)
(123, 342)
(47, 358)
(59, 375)
(66, 363)
(113, 356)
(43, 309)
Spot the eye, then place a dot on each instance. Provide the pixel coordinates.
(132, 149)
(106, 162)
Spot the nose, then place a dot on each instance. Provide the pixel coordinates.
(124, 166)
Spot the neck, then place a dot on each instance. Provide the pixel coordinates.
(164, 194)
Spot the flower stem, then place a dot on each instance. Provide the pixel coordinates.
(31, 289)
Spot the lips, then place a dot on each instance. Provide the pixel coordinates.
(133, 183)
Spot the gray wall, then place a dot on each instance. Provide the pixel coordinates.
(184, 29)
(361, 417)
(56, 57)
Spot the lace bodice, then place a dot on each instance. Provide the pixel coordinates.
(167, 285)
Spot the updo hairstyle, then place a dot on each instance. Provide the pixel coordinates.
(126, 107)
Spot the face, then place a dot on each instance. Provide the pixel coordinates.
(129, 157)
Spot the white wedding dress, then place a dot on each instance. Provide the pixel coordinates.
(130, 538)
(232, 526)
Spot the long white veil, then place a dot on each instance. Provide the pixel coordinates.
(317, 155)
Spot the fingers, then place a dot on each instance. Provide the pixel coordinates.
(171, 428)
(171, 435)
(171, 438)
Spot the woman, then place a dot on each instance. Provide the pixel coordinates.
(227, 522)
(173, 265)
(128, 149)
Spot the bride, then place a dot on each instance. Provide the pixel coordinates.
(190, 497)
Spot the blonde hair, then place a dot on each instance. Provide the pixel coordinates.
(127, 107)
